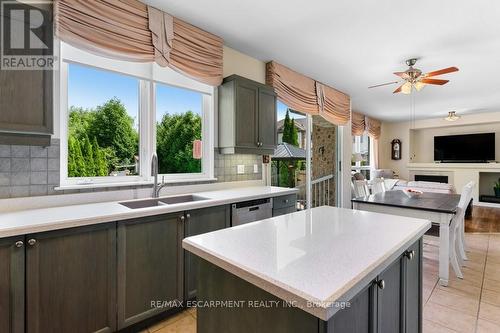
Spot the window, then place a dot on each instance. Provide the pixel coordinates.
(114, 114)
(179, 122)
(103, 123)
(361, 147)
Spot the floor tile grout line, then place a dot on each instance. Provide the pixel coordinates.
(482, 284)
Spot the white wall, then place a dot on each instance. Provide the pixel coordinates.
(420, 140)
(423, 139)
(236, 62)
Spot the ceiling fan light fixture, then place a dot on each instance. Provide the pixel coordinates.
(452, 116)
(406, 88)
(419, 85)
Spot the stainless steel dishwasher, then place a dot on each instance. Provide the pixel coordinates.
(251, 211)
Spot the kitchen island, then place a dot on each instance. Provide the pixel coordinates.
(321, 270)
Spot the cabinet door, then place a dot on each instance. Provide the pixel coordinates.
(26, 96)
(198, 222)
(359, 316)
(412, 279)
(149, 261)
(267, 119)
(12, 285)
(247, 97)
(389, 299)
(71, 280)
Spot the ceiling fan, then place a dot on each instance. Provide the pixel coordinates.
(413, 78)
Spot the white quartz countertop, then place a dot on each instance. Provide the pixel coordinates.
(46, 219)
(315, 256)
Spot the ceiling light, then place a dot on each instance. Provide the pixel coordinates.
(406, 88)
(452, 116)
(419, 85)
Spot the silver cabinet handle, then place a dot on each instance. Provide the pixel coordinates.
(19, 244)
(380, 284)
(32, 241)
(286, 201)
(188, 216)
(182, 218)
(410, 254)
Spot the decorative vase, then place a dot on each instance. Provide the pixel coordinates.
(497, 192)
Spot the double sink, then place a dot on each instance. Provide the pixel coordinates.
(161, 201)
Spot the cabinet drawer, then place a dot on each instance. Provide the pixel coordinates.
(284, 210)
(284, 201)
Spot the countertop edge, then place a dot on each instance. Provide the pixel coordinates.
(302, 300)
(6, 232)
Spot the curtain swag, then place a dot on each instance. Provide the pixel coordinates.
(357, 123)
(129, 30)
(372, 127)
(361, 124)
(304, 94)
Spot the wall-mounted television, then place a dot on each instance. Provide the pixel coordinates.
(466, 148)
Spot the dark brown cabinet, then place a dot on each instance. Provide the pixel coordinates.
(198, 222)
(150, 279)
(12, 285)
(26, 105)
(247, 117)
(71, 280)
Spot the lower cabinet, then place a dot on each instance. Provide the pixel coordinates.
(12, 284)
(150, 279)
(284, 204)
(392, 303)
(198, 222)
(358, 317)
(71, 280)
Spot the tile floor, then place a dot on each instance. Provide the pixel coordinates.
(468, 305)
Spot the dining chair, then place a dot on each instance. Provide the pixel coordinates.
(456, 245)
(377, 185)
(360, 188)
(461, 228)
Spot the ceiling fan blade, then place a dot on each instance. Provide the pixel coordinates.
(398, 90)
(434, 81)
(402, 75)
(405, 88)
(442, 71)
(383, 84)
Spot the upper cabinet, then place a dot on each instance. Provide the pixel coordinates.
(26, 97)
(247, 117)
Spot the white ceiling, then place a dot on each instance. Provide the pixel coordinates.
(354, 44)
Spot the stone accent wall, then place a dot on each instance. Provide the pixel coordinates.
(33, 171)
(324, 155)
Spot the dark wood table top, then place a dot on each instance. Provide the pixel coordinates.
(435, 202)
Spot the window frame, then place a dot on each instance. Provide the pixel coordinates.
(357, 149)
(148, 75)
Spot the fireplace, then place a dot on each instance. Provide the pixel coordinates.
(431, 178)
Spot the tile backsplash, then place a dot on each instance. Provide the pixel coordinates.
(29, 170)
(34, 171)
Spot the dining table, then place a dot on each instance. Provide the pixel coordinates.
(439, 208)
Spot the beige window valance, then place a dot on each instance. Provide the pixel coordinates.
(373, 127)
(130, 30)
(357, 123)
(361, 123)
(304, 94)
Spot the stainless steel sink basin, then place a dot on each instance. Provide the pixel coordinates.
(143, 203)
(182, 199)
(161, 201)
